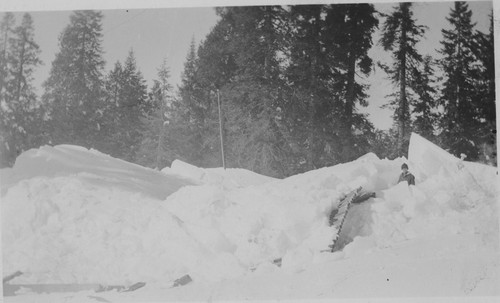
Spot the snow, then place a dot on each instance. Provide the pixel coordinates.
(77, 216)
(92, 167)
(229, 178)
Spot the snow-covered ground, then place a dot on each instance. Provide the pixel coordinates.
(76, 216)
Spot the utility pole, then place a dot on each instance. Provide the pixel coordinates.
(220, 132)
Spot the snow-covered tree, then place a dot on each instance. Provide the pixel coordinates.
(6, 31)
(156, 149)
(19, 113)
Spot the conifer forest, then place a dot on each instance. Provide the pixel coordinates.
(289, 81)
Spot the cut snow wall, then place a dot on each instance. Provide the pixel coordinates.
(426, 158)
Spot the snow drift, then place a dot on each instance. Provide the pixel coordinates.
(70, 215)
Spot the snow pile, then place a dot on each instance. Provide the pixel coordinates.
(91, 166)
(229, 178)
(70, 215)
(451, 196)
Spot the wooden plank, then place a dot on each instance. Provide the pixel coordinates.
(337, 216)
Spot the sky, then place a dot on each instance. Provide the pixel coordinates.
(156, 34)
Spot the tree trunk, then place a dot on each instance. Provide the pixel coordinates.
(20, 72)
(311, 134)
(349, 107)
(4, 60)
(312, 87)
(403, 102)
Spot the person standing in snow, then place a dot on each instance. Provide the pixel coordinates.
(406, 175)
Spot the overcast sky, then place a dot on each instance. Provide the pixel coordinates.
(155, 33)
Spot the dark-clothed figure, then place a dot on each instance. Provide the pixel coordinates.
(406, 175)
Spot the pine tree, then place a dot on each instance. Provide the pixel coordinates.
(6, 32)
(8, 149)
(312, 103)
(460, 122)
(425, 108)
(127, 104)
(188, 87)
(215, 67)
(485, 98)
(20, 129)
(74, 91)
(156, 149)
(251, 99)
(23, 59)
(193, 109)
(216, 60)
(486, 54)
(384, 143)
(400, 35)
(350, 28)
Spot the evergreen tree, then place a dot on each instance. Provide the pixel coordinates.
(350, 28)
(461, 119)
(8, 150)
(127, 103)
(486, 94)
(384, 143)
(216, 60)
(251, 99)
(312, 104)
(424, 108)
(486, 54)
(193, 108)
(400, 35)
(6, 31)
(74, 91)
(156, 149)
(20, 128)
(23, 59)
(215, 67)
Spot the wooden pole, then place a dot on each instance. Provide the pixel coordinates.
(220, 132)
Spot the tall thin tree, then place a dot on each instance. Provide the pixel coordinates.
(400, 34)
(425, 107)
(156, 149)
(6, 31)
(20, 128)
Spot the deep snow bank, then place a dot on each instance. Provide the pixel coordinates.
(63, 228)
(228, 178)
(91, 166)
(72, 215)
(451, 197)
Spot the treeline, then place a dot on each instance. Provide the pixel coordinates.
(290, 81)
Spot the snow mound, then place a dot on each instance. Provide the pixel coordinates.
(93, 166)
(70, 215)
(228, 178)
